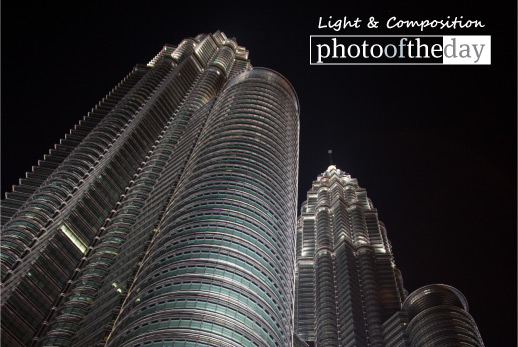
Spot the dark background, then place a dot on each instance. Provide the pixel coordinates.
(435, 146)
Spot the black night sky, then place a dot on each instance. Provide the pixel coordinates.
(435, 146)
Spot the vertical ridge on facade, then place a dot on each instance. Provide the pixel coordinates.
(213, 268)
(167, 217)
(177, 193)
(349, 291)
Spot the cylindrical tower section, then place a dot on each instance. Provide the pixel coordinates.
(96, 273)
(221, 268)
(184, 50)
(223, 59)
(438, 315)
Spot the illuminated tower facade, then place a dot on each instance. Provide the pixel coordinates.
(166, 217)
(349, 291)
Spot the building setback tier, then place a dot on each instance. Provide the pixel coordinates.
(166, 216)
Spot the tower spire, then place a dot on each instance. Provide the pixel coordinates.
(330, 152)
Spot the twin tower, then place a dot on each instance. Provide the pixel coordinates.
(167, 217)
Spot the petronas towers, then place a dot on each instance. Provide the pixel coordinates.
(167, 217)
(349, 291)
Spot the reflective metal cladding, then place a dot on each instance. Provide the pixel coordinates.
(349, 291)
(166, 217)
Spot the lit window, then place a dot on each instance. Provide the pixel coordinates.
(74, 238)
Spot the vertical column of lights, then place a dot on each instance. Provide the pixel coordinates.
(365, 259)
(325, 295)
(220, 270)
(357, 207)
(305, 280)
(351, 320)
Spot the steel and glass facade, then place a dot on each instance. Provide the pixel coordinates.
(349, 291)
(166, 217)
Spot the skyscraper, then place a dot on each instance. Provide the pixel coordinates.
(167, 215)
(349, 291)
